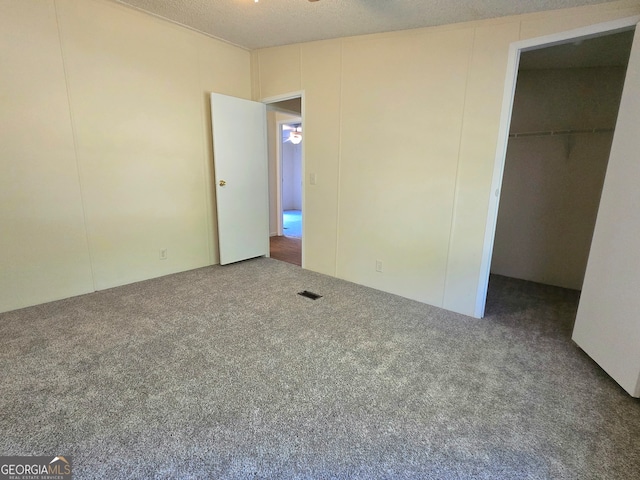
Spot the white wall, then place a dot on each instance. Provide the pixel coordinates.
(401, 132)
(552, 184)
(106, 146)
(297, 178)
(291, 176)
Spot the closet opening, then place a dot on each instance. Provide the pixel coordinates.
(563, 118)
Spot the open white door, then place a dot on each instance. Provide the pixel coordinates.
(241, 177)
(607, 326)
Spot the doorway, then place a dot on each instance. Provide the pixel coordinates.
(285, 145)
(563, 117)
(517, 49)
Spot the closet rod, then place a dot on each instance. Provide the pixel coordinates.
(560, 132)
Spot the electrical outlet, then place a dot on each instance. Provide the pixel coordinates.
(378, 265)
(163, 254)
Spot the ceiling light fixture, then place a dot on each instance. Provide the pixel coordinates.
(295, 133)
(295, 137)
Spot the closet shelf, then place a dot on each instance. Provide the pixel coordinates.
(560, 132)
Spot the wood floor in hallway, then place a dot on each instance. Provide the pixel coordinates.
(287, 249)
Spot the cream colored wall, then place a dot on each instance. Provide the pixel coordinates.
(108, 160)
(320, 73)
(398, 165)
(552, 184)
(107, 146)
(44, 253)
(401, 131)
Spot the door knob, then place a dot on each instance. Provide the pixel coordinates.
(222, 183)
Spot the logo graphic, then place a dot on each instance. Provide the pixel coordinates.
(35, 468)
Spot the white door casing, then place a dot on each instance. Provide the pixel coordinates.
(241, 177)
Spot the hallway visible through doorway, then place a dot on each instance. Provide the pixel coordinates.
(285, 137)
(286, 249)
(292, 223)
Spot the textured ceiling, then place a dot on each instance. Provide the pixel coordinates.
(280, 22)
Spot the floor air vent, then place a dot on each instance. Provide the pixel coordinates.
(311, 295)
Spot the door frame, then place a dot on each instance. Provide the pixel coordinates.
(275, 99)
(513, 61)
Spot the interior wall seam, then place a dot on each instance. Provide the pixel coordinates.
(339, 176)
(208, 187)
(457, 175)
(75, 147)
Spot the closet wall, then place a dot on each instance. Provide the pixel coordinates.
(552, 183)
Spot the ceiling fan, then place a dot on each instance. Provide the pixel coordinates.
(295, 133)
